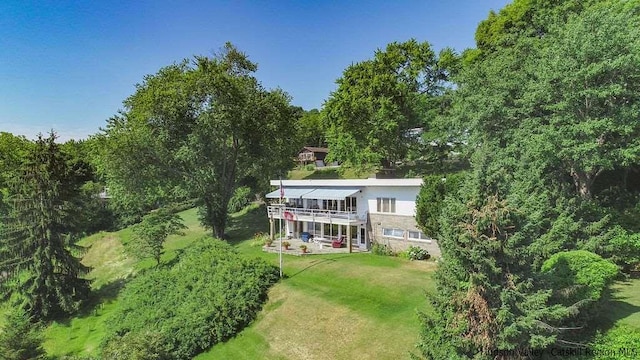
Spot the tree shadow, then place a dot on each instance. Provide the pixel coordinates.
(243, 227)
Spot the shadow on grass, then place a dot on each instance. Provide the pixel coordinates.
(243, 227)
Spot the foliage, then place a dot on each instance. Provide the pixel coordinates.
(378, 100)
(619, 343)
(34, 246)
(378, 248)
(487, 297)
(207, 297)
(196, 130)
(430, 200)
(415, 253)
(579, 275)
(151, 234)
(624, 250)
(137, 346)
(20, 339)
(312, 129)
(241, 198)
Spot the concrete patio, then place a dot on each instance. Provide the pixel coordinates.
(313, 248)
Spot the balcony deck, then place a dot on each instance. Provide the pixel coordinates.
(313, 215)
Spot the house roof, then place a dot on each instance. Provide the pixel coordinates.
(332, 193)
(315, 149)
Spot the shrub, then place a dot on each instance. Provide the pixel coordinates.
(415, 253)
(309, 167)
(382, 249)
(19, 338)
(620, 343)
(241, 198)
(582, 269)
(260, 239)
(207, 297)
(624, 249)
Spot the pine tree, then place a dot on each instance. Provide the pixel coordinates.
(20, 339)
(34, 244)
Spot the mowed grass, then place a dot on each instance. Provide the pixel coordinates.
(342, 306)
(111, 267)
(357, 306)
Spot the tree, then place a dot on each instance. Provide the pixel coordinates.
(20, 339)
(312, 129)
(588, 85)
(488, 299)
(378, 100)
(196, 130)
(34, 245)
(152, 232)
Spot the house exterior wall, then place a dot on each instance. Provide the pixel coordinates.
(405, 223)
(405, 198)
(404, 191)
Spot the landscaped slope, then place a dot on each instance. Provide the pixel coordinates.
(342, 306)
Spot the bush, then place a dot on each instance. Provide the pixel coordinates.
(382, 249)
(620, 343)
(624, 249)
(207, 297)
(579, 279)
(19, 338)
(310, 167)
(415, 253)
(241, 198)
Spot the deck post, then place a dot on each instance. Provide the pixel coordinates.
(272, 226)
(349, 238)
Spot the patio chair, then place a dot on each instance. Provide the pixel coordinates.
(337, 243)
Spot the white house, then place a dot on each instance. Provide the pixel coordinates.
(361, 211)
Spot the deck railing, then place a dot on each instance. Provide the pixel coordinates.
(314, 213)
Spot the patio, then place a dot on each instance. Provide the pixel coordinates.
(313, 248)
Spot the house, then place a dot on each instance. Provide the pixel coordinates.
(312, 155)
(362, 211)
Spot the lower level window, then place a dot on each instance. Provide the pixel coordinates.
(418, 235)
(398, 233)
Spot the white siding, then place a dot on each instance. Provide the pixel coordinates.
(405, 198)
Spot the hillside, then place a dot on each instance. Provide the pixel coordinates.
(330, 306)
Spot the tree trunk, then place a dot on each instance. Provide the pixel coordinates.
(583, 181)
(216, 215)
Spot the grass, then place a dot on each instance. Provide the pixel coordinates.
(327, 173)
(111, 269)
(340, 306)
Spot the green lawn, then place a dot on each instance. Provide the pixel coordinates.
(341, 306)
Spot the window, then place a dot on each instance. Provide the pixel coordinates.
(418, 236)
(386, 205)
(396, 233)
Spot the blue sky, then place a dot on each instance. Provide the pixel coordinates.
(68, 65)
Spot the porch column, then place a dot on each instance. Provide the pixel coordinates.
(272, 226)
(349, 237)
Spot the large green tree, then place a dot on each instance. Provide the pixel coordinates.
(197, 129)
(378, 100)
(35, 244)
(546, 112)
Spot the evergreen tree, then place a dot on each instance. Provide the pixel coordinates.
(20, 339)
(34, 246)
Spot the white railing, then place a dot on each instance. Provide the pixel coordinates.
(314, 213)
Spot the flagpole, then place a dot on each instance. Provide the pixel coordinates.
(281, 212)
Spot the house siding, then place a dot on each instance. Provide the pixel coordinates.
(406, 223)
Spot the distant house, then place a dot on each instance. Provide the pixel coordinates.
(361, 211)
(312, 155)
